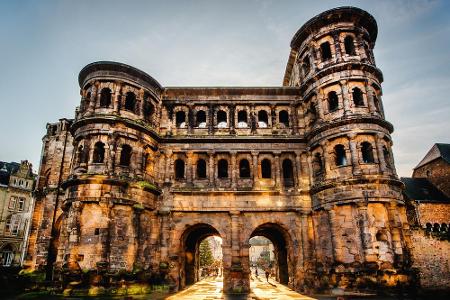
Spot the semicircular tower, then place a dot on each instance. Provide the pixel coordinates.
(357, 208)
(111, 193)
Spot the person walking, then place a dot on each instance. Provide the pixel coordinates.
(267, 274)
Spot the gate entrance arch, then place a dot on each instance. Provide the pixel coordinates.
(281, 242)
(191, 240)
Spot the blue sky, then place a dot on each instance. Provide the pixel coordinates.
(44, 44)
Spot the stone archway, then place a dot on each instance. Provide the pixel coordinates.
(191, 239)
(281, 242)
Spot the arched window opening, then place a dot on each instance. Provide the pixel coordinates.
(340, 157)
(222, 171)
(201, 169)
(266, 168)
(381, 236)
(99, 153)
(436, 227)
(288, 173)
(263, 119)
(145, 160)
(7, 256)
(222, 119)
(80, 153)
(306, 66)
(387, 156)
(357, 97)
(148, 110)
(429, 227)
(179, 169)
(180, 119)
(333, 102)
(349, 45)
(367, 153)
(105, 97)
(242, 119)
(376, 103)
(325, 50)
(444, 227)
(312, 113)
(283, 117)
(244, 169)
(317, 164)
(130, 101)
(125, 156)
(201, 119)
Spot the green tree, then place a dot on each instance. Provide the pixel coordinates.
(206, 256)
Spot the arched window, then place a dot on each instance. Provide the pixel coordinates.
(148, 110)
(244, 168)
(376, 103)
(179, 169)
(333, 102)
(105, 97)
(80, 153)
(242, 119)
(263, 119)
(312, 113)
(325, 50)
(222, 168)
(201, 169)
(130, 101)
(180, 119)
(387, 156)
(317, 164)
(340, 157)
(7, 255)
(367, 153)
(201, 119)
(99, 153)
(444, 227)
(349, 45)
(283, 117)
(429, 227)
(222, 119)
(436, 227)
(288, 172)
(266, 168)
(306, 66)
(357, 97)
(125, 156)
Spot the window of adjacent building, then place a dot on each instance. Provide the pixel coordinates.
(180, 119)
(357, 97)
(8, 224)
(333, 102)
(179, 169)
(283, 118)
(125, 155)
(130, 101)
(349, 45)
(242, 119)
(263, 119)
(15, 223)
(7, 256)
(105, 97)
(325, 50)
(201, 119)
(21, 204)
(244, 168)
(222, 119)
(367, 152)
(266, 168)
(12, 202)
(288, 172)
(201, 169)
(222, 168)
(340, 156)
(99, 153)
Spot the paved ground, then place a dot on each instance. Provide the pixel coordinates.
(211, 289)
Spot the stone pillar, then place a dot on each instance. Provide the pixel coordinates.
(298, 169)
(137, 158)
(211, 169)
(164, 235)
(277, 170)
(345, 97)
(168, 170)
(189, 164)
(91, 106)
(306, 247)
(379, 144)
(370, 101)
(310, 167)
(116, 99)
(319, 106)
(293, 118)
(326, 159)
(395, 225)
(363, 225)
(335, 244)
(337, 47)
(354, 154)
(190, 119)
(140, 110)
(233, 169)
(255, 169)
(232, 122)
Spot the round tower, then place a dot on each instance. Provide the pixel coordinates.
(357, 208)
(109, 208)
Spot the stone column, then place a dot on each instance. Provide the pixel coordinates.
(164, 235)
(326, 159)
(310, 167)
(189, 164)
(293, 118)
(363, 225)
(319, 106)
(395, 225)
(354, 154)
(168, 170)
(306, 247)
(255, 169)
(138, 161)
(277, 170)
(233, 169)
(211, 168)
(335, 244)
(231, 109)
(337, 47)
(116, 99)
(190, 119)
(379, 144)
(370, 102)
(91, 106)
(140, 111)
(345, 98)
(298, 169)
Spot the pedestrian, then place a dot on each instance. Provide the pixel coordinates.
(256, 271)
(267, 274)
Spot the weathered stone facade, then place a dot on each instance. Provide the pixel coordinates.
(145, 172)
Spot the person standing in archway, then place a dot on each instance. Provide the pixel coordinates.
(267, 274)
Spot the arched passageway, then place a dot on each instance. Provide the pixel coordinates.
(280, 240)
(192, 238)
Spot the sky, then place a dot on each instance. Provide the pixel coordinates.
(44, 45)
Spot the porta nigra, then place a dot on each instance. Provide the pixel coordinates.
(143, 173)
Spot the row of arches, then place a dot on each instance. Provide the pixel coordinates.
(244, 120)
(98, 156)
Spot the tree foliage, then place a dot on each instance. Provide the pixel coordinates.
(206, 256)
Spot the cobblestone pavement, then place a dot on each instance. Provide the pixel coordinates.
(211, 288)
